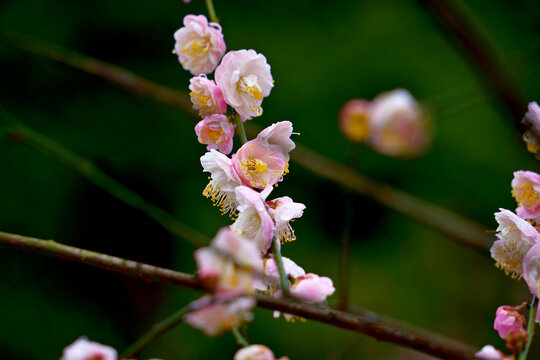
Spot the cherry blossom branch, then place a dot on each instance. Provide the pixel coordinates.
(364, 321)
(86, 168)
(465, 231)
(530, 328)
(467, 38)
(155, 332)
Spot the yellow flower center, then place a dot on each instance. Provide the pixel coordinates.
(526, 196)
(249, 86)
(197, 48)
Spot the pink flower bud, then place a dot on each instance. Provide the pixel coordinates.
(206, 96)
(525, 188)
(312, 288)
(354, 120)
(216, 132)
(84, 349)
(244, 78)
(256, 352)
(531, 120)
(508, 319)
(199, 45)
(488, 352)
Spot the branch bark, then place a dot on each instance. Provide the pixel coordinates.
(364, 321)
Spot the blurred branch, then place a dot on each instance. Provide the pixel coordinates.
(364, 321)
(86, 168)
(477, 50)
(463, 230)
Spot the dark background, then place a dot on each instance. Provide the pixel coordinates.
(322, 53)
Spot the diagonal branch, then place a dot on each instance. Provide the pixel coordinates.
(466, 232)
(364, 321)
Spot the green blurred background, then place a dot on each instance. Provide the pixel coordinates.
(322, 53)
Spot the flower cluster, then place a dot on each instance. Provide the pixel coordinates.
(393, 124)
(517, 252)
(241, 259)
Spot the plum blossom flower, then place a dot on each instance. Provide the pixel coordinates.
(525, 188)
(199, 44)
(284, 210)
(354, 120)
(244, 78)
(256, 352)
(214, 316)
(206, 96)
(515, 239)
(508, 320)
(230, 264)
(399, 125)
(312, 288)
(531, 120)
(253, 220)
(488, 352)
(223, 181)
(531, 273)
(84, 349)
(271, 272)
(260, 164)
(279, 134)
(216, 132)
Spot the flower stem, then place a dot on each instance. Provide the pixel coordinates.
(240, 340)
(240, 131)
(530, 328)
(211, 11)
(86, 168)
(284, 281)
(155, 332)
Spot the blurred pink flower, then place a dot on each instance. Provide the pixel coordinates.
(508, 319)
(216, 132)
(354, 120)
(271, 272)
(399, 125)
(253, 222)
(283, 211)
(312, 288)
(256, 352)
(259, 164)
(84, 349)
(206, 96)
(279, 134)
(230, 265)
(525, 187)
(488, 352)
(515, 239)
(531, 273)
(244, 78)
(199, 45)
(214, 316)
(531, 120)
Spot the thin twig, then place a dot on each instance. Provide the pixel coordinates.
(86, 168)
(283, 278)
(240, 340)
(465, 231)
(211, 11)
(530, 328)
(239, 125)
(365, 322)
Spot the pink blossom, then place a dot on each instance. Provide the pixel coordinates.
(354, 120)
(259, 164)
(312, 288)
(244, 78)
(532, 123)
(256, 352)
(230, 264)
(283, 210)
(488, 352)
(206, 96)
(216, 132)
(214, 316)
(271, 272)
(199, 45)
(508, 319)
(531, 273)
(515, 239)
(279, 134)
(84, 349)
(399, 125)
(223, 181)
(253, 220)
(525, 188)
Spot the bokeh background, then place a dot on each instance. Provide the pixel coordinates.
(322, 53)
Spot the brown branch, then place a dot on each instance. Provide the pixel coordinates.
(465, 231)
(365, 322)
(481, 56)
